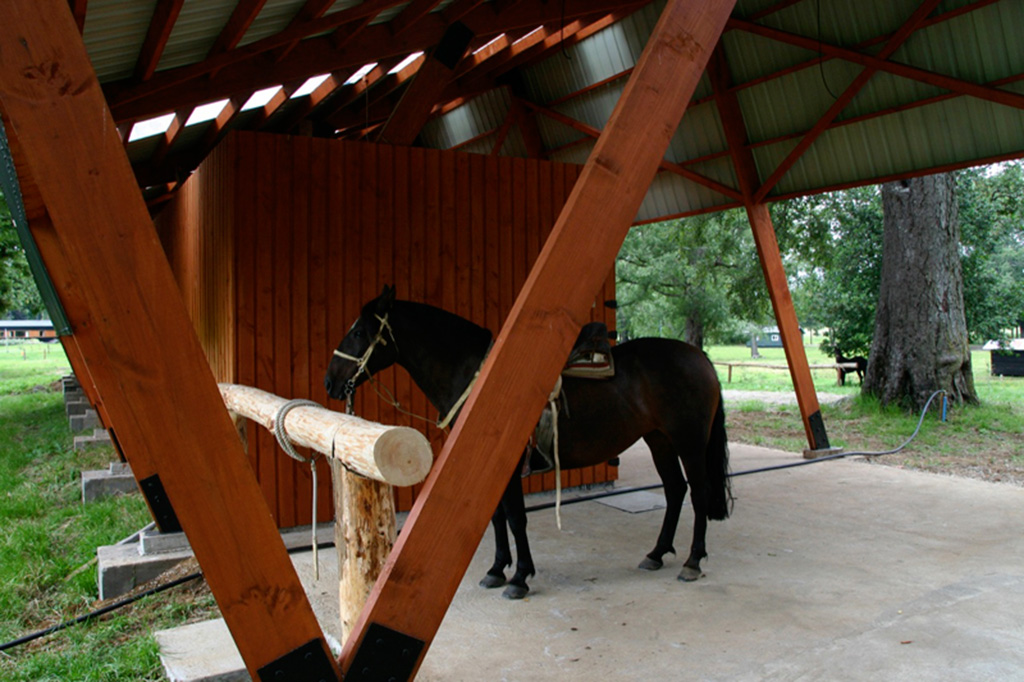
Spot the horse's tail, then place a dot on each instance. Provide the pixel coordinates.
(717, 463)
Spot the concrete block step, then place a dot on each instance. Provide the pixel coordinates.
(115, 480)
(98, 438)
(120, 568)
(88, 420)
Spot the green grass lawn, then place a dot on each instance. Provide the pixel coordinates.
(985, 441)
(50, 537)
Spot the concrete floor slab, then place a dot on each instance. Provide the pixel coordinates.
(836, 571)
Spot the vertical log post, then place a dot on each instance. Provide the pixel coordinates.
(364, 532)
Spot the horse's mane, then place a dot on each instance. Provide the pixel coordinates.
(439, 325)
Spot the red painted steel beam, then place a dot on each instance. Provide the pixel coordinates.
(666, 165)
(444, 528)
(1010, 99)
(767, 251)
(894, 43)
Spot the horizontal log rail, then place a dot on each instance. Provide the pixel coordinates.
(397, 455)
(837, 366)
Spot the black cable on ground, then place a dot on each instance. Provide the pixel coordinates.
(538, 507)
(776, 467)
(98, 612)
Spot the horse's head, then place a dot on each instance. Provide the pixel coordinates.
(368, 347)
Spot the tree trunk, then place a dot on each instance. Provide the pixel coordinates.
(920, 343)
(694, 332)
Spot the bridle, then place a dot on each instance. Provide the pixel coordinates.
(362, 362)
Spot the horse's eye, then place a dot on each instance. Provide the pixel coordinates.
(357, 333)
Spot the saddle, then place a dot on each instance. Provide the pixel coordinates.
(590, 358)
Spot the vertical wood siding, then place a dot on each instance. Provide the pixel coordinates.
(278, 241)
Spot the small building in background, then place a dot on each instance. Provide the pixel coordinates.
(27, 329)
(1007, 358)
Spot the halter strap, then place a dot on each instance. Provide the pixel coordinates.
(363, 361)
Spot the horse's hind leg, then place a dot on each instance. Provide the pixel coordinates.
(495, 576)
(515, 511)
(691, 567)
(667, 463)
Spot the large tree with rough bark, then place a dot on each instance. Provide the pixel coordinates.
(920, 343)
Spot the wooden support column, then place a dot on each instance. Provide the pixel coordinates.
(433, 77)
(768, 252)
(136, 339)
(443, 530)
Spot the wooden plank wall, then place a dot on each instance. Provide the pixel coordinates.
(278, 241)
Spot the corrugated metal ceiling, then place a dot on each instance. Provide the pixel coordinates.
(785, 58)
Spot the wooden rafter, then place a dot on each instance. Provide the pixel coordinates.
(239, 69)
(411, 13)
(241, 19)
(160, 26)
(414, 108)
(895, 42)
(369, 91)
(412, 595)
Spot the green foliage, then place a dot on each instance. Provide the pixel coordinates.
(992, 248)
(837, 239)
(690, 278)
(19, 296)
(49, 538)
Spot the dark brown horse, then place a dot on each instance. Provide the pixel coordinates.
(663, 391)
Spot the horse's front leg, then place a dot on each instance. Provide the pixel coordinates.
(502, 551)
(515, 511)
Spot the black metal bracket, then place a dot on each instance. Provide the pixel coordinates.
(453, 45)
(160, 504)
(385, 655)
(817, 425)
(308, 663)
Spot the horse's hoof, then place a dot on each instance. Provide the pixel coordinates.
(515, 591)
(649, 564)
(689, 574)
(491, 581)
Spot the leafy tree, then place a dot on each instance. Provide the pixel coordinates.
(992, 248)
(834, 247)
(920, 341)
(690, 278)
(19, 296)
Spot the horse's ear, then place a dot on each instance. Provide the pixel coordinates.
(387, 297)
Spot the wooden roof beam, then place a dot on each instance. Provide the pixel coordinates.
(841, 102)
(253, 66)
(160, 26)
(241, 19)
(288, 119)
(419, 97)
(411, 13)
(337, 108)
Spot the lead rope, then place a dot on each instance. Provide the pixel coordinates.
(286, 444)
(553, 402)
